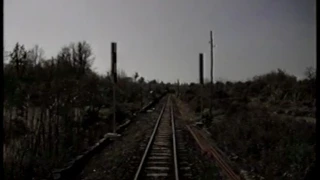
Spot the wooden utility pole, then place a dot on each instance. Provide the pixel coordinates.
(201, 80)
(178, 88)
(114, 79)
(211, 72)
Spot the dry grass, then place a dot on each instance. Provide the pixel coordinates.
(265, 127)
(272, 147)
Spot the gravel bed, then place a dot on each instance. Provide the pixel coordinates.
(202, 167)
(120, 159)
(112, 162)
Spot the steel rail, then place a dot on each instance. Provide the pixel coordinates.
(213, 153)
(137, 175)
(176, 170)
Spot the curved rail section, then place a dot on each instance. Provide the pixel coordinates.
(159, 160)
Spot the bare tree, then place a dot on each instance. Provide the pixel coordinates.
(135, 76)
(82, 56)
(310, 73)
(35, 54)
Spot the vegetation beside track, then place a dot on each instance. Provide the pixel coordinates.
(55, 108)
(265, 125)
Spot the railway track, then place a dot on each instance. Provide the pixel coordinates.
(161, 155)
(165, 152)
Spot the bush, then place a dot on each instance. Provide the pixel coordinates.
(54, 107)
(266, 144)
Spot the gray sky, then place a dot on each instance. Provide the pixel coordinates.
(162, 39)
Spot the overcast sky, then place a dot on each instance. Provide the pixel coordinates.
(162, 39)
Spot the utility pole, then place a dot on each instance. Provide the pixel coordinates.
(201, 80)
(178, 88)
(114, 79)
(211, 72)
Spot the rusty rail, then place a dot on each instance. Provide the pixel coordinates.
(212, 153)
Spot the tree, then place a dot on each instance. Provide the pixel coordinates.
(141, 80)
(58, 92)
(81, 55)
(135, 76)
(310, 73)
(18, 58)
(35, 54)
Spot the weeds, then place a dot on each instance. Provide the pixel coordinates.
(251, 129)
